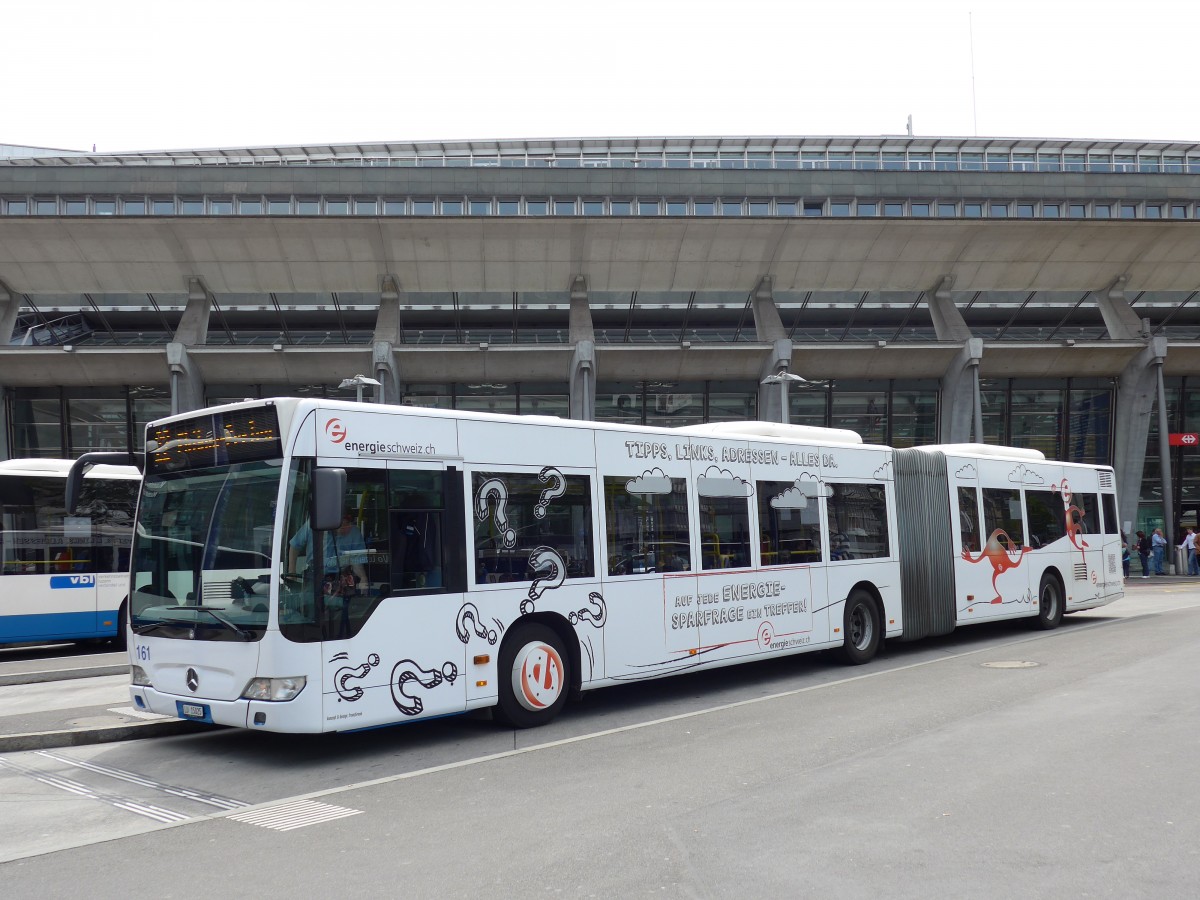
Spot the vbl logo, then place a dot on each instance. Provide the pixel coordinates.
(60, 582)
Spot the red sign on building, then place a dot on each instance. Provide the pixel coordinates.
(1186, 439)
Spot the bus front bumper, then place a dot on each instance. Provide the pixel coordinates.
(294, 716)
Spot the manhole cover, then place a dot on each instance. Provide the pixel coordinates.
(1011, 664)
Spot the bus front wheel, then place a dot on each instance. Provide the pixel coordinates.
(534, 676)
(861, 627)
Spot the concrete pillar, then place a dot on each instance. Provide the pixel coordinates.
(581, 376)
(1137, 389)
(1120, 320)
(962, 413)
(187, 384)
(767, 323)
(387, 336)
(9, 307)
(770, 396)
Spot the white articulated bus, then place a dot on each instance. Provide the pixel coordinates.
(64, 577)
(306, 566)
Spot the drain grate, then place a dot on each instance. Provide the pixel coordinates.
(296, 814)
(1010, 664)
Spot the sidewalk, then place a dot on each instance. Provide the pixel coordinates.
(73, 700)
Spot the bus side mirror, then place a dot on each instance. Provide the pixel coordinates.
(328, 496)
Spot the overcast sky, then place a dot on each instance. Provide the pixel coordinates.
(164, 74)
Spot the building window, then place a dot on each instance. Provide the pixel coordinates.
(1050, 210)
(593, 207)
(760, 208)
(422, 207)
(537, 207)
(250, 207)
(679, 208)
(109, 207)
(79, 207)
(1128, 210)
(731, 207)
(45, 207)
(868, 209)
(366, 207)
(839, 208)
(705, 208)
(17, 207)
(621, 207)
(920, 210)
(221, 207)
(893, 209)
(648, 208)
(509, 207)
(1024, 210)
(1076, 210)
(337, 207)
(1153, 211)
(786, 207)
(947, 210)
(308, 206)
(973, 210)
(452, 207)
(814, 208)
(279, 207)
(1102, 211)
(998, 211)
(1179, 211)
(481, 207)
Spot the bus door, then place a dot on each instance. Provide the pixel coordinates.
(401, 563)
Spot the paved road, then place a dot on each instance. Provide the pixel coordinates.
(994, 763)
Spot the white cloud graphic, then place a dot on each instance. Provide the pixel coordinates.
(654, 481)
(1022, 475)
(722, 483)
(805, 487)
(967, 471)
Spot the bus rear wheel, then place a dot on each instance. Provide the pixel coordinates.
(1050, 604)
(534, 676)
(861, 627)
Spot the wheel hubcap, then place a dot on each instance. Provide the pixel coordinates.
(538, 676)
(860, 628)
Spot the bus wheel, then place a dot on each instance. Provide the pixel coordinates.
(118, 643)
(862, 628)
(534, 675)
(1050, 604)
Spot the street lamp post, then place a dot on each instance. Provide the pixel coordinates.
(783, 378)
(358, 382)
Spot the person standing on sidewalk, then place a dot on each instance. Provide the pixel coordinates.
(1143, 550)
(1158, 546)
(1189, 551)
(1125, 555)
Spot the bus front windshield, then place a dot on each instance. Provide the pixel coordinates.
(202, 552)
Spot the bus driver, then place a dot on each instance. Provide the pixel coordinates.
(344, 548)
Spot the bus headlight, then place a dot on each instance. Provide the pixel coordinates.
(138, 676)
(274, 689)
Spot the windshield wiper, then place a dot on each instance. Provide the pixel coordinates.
(212, 611)
(165, 623)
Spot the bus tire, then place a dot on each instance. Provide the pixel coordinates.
(862, 628)
(534, 675)
(1050, 603)
(118, 642)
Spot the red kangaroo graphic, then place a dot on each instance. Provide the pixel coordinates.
(1003, 553)
(1074, 520)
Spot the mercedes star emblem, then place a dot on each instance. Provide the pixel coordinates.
(193, 680)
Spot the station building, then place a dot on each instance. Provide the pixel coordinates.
(1033, 292)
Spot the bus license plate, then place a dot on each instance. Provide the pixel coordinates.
(193, 711)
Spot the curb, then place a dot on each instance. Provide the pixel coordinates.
(62, 674)
(45, 740)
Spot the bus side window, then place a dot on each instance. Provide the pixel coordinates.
(646, 518)
(529, 519)
(968, 519)
(417, 505)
